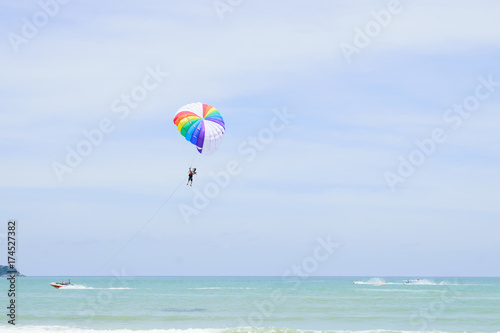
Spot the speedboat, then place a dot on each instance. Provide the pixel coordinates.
(60, 284)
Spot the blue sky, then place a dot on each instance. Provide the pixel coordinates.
(323, 174)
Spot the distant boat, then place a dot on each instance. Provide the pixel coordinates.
(380, 285)
(356, 282)
(60, 284)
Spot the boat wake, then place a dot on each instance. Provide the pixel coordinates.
(413, 282)
(82, 287)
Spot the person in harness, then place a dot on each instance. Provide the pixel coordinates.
(190, 176)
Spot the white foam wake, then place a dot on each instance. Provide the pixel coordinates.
(372, 281)
(420, 282)
(82, 287)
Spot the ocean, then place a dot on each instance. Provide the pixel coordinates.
(254, 304)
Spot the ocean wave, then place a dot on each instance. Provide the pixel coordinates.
(63, 329)
(183, 310)
(219, 288)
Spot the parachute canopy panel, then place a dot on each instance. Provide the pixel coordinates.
(202, 125)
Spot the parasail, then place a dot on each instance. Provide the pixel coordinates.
(202, 125)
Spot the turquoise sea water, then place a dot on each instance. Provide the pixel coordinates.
(255, 304)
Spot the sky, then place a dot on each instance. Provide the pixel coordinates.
(362, 137)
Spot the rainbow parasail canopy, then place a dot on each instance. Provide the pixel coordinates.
(202, 125)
